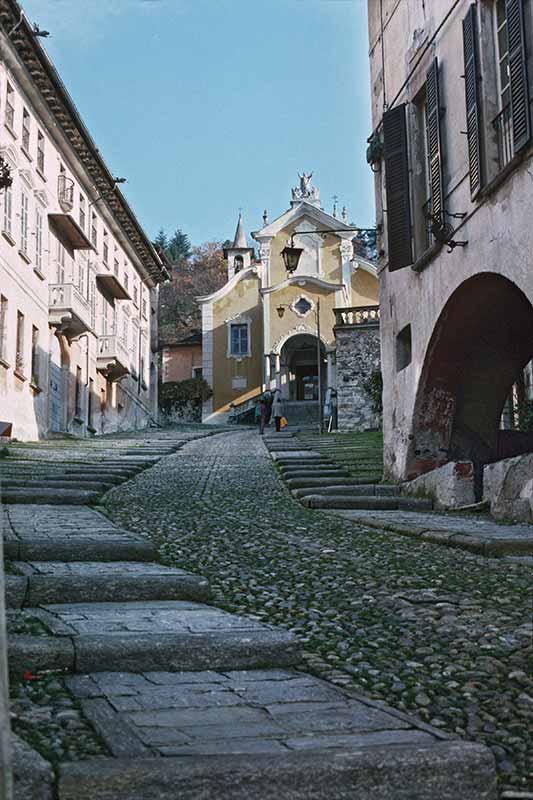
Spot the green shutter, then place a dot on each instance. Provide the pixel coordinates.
(397, 188)
(518, 74)
(434, 141)
(473, 122)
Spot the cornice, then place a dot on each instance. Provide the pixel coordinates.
(301, 280)
(46, 80)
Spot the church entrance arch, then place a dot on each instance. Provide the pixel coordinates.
(299, 368)
(480, 346)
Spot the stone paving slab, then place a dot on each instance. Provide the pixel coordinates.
(177, 635)
(210, 713)
(351, 500)
(68, 533)
(470, 533)
(447, 771)
(50, 496)
(57, 582)
(296, 455)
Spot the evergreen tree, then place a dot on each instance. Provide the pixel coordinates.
(161, 240)
(178, 247)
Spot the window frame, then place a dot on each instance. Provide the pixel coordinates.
(40, 151)
(243, 352)
(9, 116)
(24, 222)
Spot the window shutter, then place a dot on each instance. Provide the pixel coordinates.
(473, 125)
(397, 188)
(518, 74)
(434, 141)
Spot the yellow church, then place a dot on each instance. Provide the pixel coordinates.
(262, 329)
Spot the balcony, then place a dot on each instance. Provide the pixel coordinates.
(68, 310)
(113, 358)
(503, 125)
(111, 287)
(69, 232)
(356, 316)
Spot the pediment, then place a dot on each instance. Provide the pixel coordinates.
(304, 212)
(10, 155)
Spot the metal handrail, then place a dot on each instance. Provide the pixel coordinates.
(503, 126)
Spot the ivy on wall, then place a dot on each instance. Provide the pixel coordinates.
(373, 386)
(184, 397)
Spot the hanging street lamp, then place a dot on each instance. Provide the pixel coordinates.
(291, 254)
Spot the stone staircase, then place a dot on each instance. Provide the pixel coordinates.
(319, 482)
(192, 701)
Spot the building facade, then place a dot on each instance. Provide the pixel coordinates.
(452, 150)
(260, 330)
(78, 276)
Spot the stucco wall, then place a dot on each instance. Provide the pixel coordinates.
(497, 225)
(242, 302)
(178, 362)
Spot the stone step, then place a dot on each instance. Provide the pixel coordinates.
(49, 496)
(57, 582)
(414, 770)
(337, 474)
(308, 482)
(150, 635)
(347, 489)
(296, 456)
(64, 483)
(373, 503)
(91, 546)
(257, 734)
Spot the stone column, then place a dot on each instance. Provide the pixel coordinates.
(6, 785)
(277, 370)
(267, 370)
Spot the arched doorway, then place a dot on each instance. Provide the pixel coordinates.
(299, 368)
(480, 346)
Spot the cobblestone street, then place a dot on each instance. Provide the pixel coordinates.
(434, 631)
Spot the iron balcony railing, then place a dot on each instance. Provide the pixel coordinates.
(356, 315)
(503, 125)
(426, 214)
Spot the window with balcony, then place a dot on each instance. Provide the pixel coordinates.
(38, 240)
(61, 261)
(3, 328)
(25, 131)
(10, 108)
(82, 212)
(35, 355)
(94, 230)
(40, 152)
(8, 211)
(19, 349)
(24, 211)
(502, 123)
(512, 125)
(105, 247)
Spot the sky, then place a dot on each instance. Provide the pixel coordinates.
(211, 106)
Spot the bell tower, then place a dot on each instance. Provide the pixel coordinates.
(239, 255)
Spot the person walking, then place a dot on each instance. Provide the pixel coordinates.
(263, 411)
(277, 410)
(268, 399)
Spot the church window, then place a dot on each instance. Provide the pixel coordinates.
(302, 306)
(239, 339)
(238, 263)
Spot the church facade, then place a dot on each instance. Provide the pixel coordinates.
(263, 327)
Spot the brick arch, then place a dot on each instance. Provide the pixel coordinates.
(480, 343)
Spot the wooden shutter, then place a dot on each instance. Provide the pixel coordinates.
(473, 122)
(397, 188)
(434, 141)
(518, 74)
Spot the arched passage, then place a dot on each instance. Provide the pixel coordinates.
(299, 368)
(482, 341)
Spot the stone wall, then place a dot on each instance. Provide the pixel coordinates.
(358, 355)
